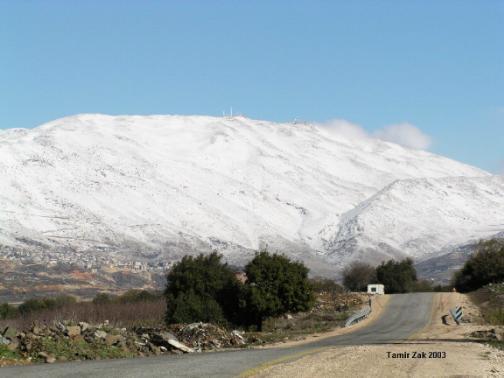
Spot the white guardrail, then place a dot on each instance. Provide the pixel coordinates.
(358, 316)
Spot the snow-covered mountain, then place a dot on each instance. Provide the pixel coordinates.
(421, 217)
(153, 188)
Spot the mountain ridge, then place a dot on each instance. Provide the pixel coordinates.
(153, 188)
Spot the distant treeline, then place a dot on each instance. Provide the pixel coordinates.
(485, 266)
(396, 276)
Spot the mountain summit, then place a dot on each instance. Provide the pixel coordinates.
(96, 189)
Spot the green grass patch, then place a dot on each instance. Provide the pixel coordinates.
(7, 354)
(68, 349)
(280, 329)
(494, 316)
(499, 344)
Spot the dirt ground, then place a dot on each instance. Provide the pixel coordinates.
(447, 351)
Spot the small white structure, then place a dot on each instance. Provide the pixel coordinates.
(376, 289)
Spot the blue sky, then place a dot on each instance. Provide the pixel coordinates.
(438, 65)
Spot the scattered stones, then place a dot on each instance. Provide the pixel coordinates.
(488, 334)
(4, 341)
(48, 358)
(139, 341)
(37, 331)
(114, 340)
(336, 302)
(99, 334)
(205, 336)
(73, 331)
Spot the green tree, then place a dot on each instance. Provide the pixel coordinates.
(32, 305)
(485, 266)
(103, 298)
(7, 311)
(189, 307)
(423, 286)
(275, 285)
(63, 300)
(135, 295)
(358, 275)
(397, 276)
(202, 288)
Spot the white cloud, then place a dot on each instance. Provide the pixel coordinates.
(346, 129)
(406, 135)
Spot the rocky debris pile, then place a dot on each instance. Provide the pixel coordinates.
(205, 336)
(336, 302)
(66, 341)
(487, 334)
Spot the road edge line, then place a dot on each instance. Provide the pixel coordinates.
(288, 358)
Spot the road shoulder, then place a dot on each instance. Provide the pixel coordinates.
(379, 303)
(435, 350)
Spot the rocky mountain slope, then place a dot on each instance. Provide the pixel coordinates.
(102, 190)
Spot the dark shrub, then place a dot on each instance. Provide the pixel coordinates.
(485, 266)
(358, 275)
(208, 284)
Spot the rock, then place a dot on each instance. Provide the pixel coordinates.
(73, 331)
(163, 349)
(179, 346)
(4, 341)
(13, 346)
(38, 331)
(99, 334)
(162, 338)
(155, 349)
(237, 338)
(114, 340)
(27, 345)
(83, 326)
(488, 334)
(60, 327)
(499, 336)
(48, 358)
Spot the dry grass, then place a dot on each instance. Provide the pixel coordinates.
(490, 300)
(146, 313)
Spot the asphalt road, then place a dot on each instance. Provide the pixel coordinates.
(404, 315)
